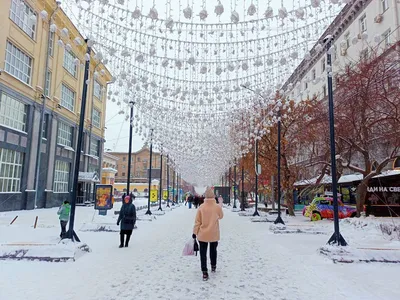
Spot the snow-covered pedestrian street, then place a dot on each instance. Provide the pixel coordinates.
(253, 263)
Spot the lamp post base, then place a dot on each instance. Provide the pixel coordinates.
(337, 239)
(279, 221)
(148, 212)
(160, 208)
(256, 214)
(73, 236)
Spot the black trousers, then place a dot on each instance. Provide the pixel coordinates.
(203, 254)
(63, 228)
(128, 234)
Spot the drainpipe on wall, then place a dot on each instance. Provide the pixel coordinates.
(40, 139)
(89, 185)
(396, 19)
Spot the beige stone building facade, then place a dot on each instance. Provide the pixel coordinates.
(33, 35)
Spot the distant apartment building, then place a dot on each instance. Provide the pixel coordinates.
(25, 38)
(361, 27)
(140, 163)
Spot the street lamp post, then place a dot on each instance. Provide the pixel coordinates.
(167, 180)
(279, 218)
(159, 199)
(230, 186)
(173, 188)
(242, 207)
(336, 238)
(148, 212)
(71, 233)
(234, 188)
(131, 103)
(177, 187)
(256, 169)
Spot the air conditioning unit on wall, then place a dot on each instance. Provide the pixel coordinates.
(378, 18)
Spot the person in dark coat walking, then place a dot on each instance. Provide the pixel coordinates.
(190, 201)
(127, 218)
(196, 201)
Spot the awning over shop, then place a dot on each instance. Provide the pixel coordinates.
(325, 180)
(88, 177)
(350, 178)
(344, 178)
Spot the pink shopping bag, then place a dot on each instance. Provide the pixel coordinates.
(189, 248)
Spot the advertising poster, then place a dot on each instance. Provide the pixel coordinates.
(103, 197)
(165, 195)
(153, 195)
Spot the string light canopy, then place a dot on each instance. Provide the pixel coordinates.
(184, 63)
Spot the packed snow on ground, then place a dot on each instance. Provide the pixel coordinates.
(253, 262)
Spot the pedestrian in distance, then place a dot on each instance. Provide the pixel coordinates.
(63, 213)
(190, 201)
(196, 201)
(206, 230)
(127, 218)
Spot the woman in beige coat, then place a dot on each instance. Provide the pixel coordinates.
(206, 229)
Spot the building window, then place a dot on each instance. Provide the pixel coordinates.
(123, 167)
(323, 65)
(64, 134)
(123, 174)
(124, 158)
(386, 38)
(385, 5)
(24, 16)
(96, 118)
(97, 90)
(12, 112)
(67, 97)
(61, 177)
(18, 63)
(324, 90)
(51, 44)
(10, 170)
(363, 23)
(305, 85)
(313, 74)
(138, 159)
(47, 86)
(93, 168)
(94, 147)
(69, 62)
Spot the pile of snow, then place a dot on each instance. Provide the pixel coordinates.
(159, 212)
(64, 251)
(284, 229)
(246, 213)
(100, 227)
(373, 229)
(350, 255)
(259, 219)
(146, 218)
